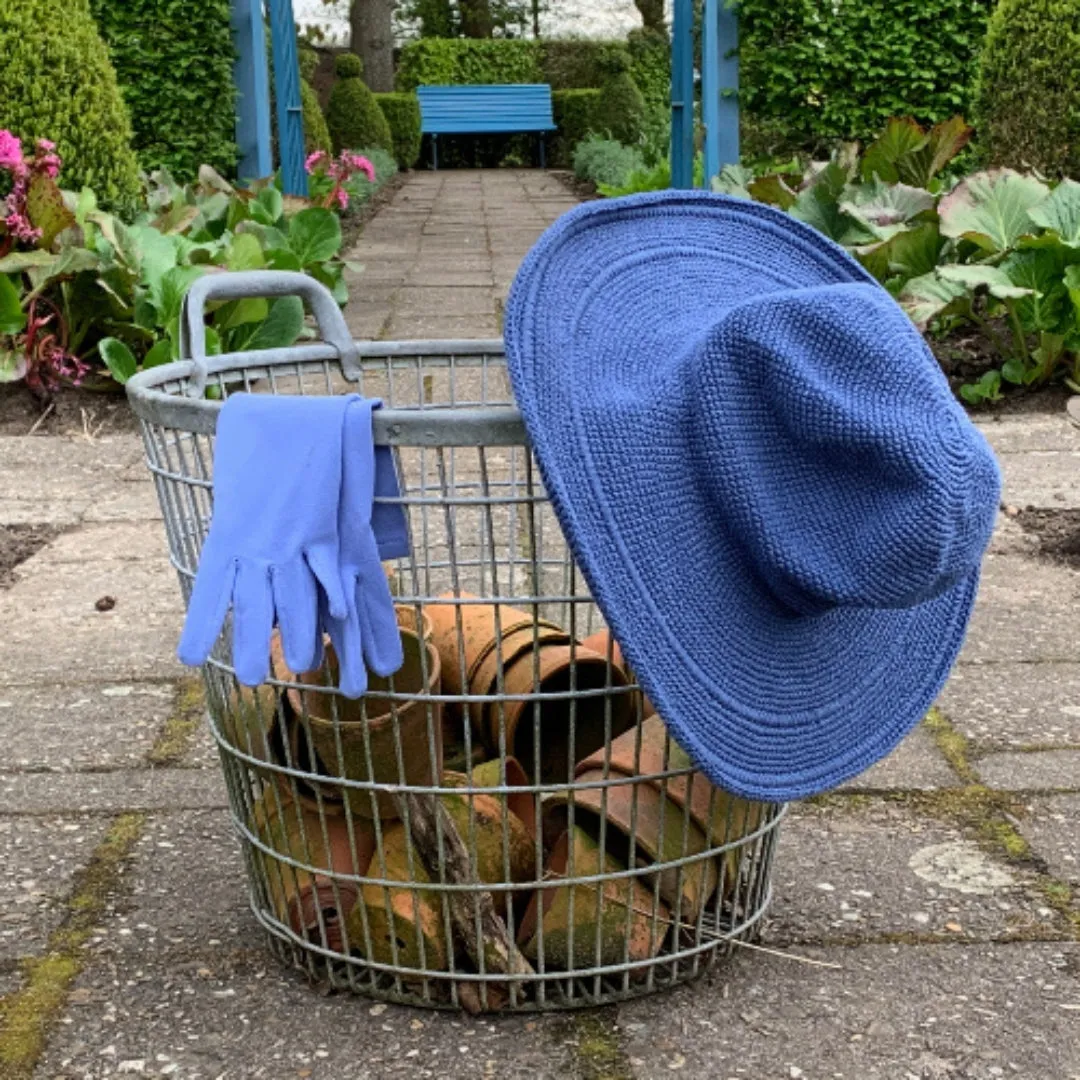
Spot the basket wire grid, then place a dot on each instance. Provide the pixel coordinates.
(626, 917)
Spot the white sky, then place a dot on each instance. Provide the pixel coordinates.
(576, 18)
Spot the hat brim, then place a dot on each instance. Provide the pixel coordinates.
(770, 705)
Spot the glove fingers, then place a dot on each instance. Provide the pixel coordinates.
(378, 623)
(207, 608)
(253, 623)
(345, 635)
(296, 600)
(324, 565)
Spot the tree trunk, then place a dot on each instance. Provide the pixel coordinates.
(476, 20)
(372, 39)
(652, 14)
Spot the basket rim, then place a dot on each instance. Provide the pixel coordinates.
(494, 425)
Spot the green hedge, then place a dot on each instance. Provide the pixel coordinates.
(576, 116)
(353, 115)
(1027, 102)
(402, 112)
(56, 83)
(820, 70)
(174, 60)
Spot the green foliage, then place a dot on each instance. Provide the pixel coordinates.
(650, 64)
(353, 115)
(575, 114)
(174, 62)
(56, 82)
(467, 18)
(316, 132)
(308, 62)
(621, 110)
(1027, 100)
(402, 112)
(812, 70)
(467, 62)
(606, 162)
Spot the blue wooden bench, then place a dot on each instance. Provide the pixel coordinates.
(484, 110)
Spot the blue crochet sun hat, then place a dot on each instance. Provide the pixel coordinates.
(775, 499)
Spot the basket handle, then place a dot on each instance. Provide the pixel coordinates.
(248, 284)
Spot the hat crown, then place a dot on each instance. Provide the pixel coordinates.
(834, 453)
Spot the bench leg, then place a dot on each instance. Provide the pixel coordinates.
(434, 153)
(543, 152)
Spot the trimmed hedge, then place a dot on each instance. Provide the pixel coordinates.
(621, 110)
(575, 114)
(56, 82)
(1027, 101)
(353, 115)
(402, 112)
(822, 71)
(174, 61)
(316, 133)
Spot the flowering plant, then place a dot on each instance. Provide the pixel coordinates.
(23, 174)
(330, 177)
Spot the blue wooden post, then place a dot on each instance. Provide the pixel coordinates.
(682, 95)
(253, 90)
(719, 86)
(290, 112)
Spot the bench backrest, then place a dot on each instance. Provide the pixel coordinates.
(457, 110)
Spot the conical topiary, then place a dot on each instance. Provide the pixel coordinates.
(56, 82)
(353, 115)
(621, 109)
(1027, 99)
(316, 133)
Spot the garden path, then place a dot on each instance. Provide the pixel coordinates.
(118, 868)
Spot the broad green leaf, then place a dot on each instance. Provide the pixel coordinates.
(278, 330)
(157, 253)
(245, 253)
(900, 138)
(161, 353)
(1060, 212)
(177, 219)
(85, 205)
(734, 180)
(991, 208)
(926, 297)
(818, 205)
(993, 278)
(282, 259)
(1072, 283)
(1015, 371)
(267, 207)
(45, 208)
(1041, 270)
(118, 358)
(12, 316)
(352, 266)
(879, 205)
(908, 254)
(315, 236)
(212, 180)
(987, 388)
(169, 293)
(12, 365)
(772, 190)
(944, 142)
(20, 261)
(70, 261)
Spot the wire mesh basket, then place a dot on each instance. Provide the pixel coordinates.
(504, 823)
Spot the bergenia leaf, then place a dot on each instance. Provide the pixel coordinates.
(991, 208)
(880, 205)
(1072, 283)
(900, 138)
(118, 358)
(772, 190)
(993, 278)
(908, 254)
(945, 141)
(926, 297)
(46, 209)
(734, 180)
(1059, 212)
(12, 316)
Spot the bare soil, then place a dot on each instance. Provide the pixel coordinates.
(17, 544)
(73, 410)
(1058, 532)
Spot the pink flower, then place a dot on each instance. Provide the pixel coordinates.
(314, 160)
(342, 198)
(45, 145)
(11, 152)
(361, 164)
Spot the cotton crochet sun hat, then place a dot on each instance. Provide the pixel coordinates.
(776, 501)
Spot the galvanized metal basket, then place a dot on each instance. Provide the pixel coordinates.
(504, 824)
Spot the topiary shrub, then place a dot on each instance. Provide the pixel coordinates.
(575, 113)
(1027, 98)
(650, 64)
(174, 62)
(621, 109)
(316, 133)
(56, 82)
(353, 115)
(402, 112)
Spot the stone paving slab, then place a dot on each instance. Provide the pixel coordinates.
(1042, 770)
(882, 870)
(1015, 705)
(132, 541)
(1051, 829)
(82, 726)
(915, 765)
(38, 859)
(1032, 431)
(1044, 478)
(113, 792)
(219, 1017)
(889, 1013)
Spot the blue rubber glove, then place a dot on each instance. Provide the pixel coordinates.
(388, 519)
(273, 536)
(368, 636)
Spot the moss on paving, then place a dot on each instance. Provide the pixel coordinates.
(599, 1054)
(28, 1014)
(954, 747)
(176, 734)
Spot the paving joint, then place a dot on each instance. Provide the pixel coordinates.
(178, 732)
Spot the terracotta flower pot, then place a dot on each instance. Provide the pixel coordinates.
(418, 721)
(536, 658)
(521, 804)
(731, 817)
(598, 642)
(625, 913)
(298, 896)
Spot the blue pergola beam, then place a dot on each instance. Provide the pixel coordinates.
(682, 95)
(253, 135)
(290, 110)
(719, 86)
